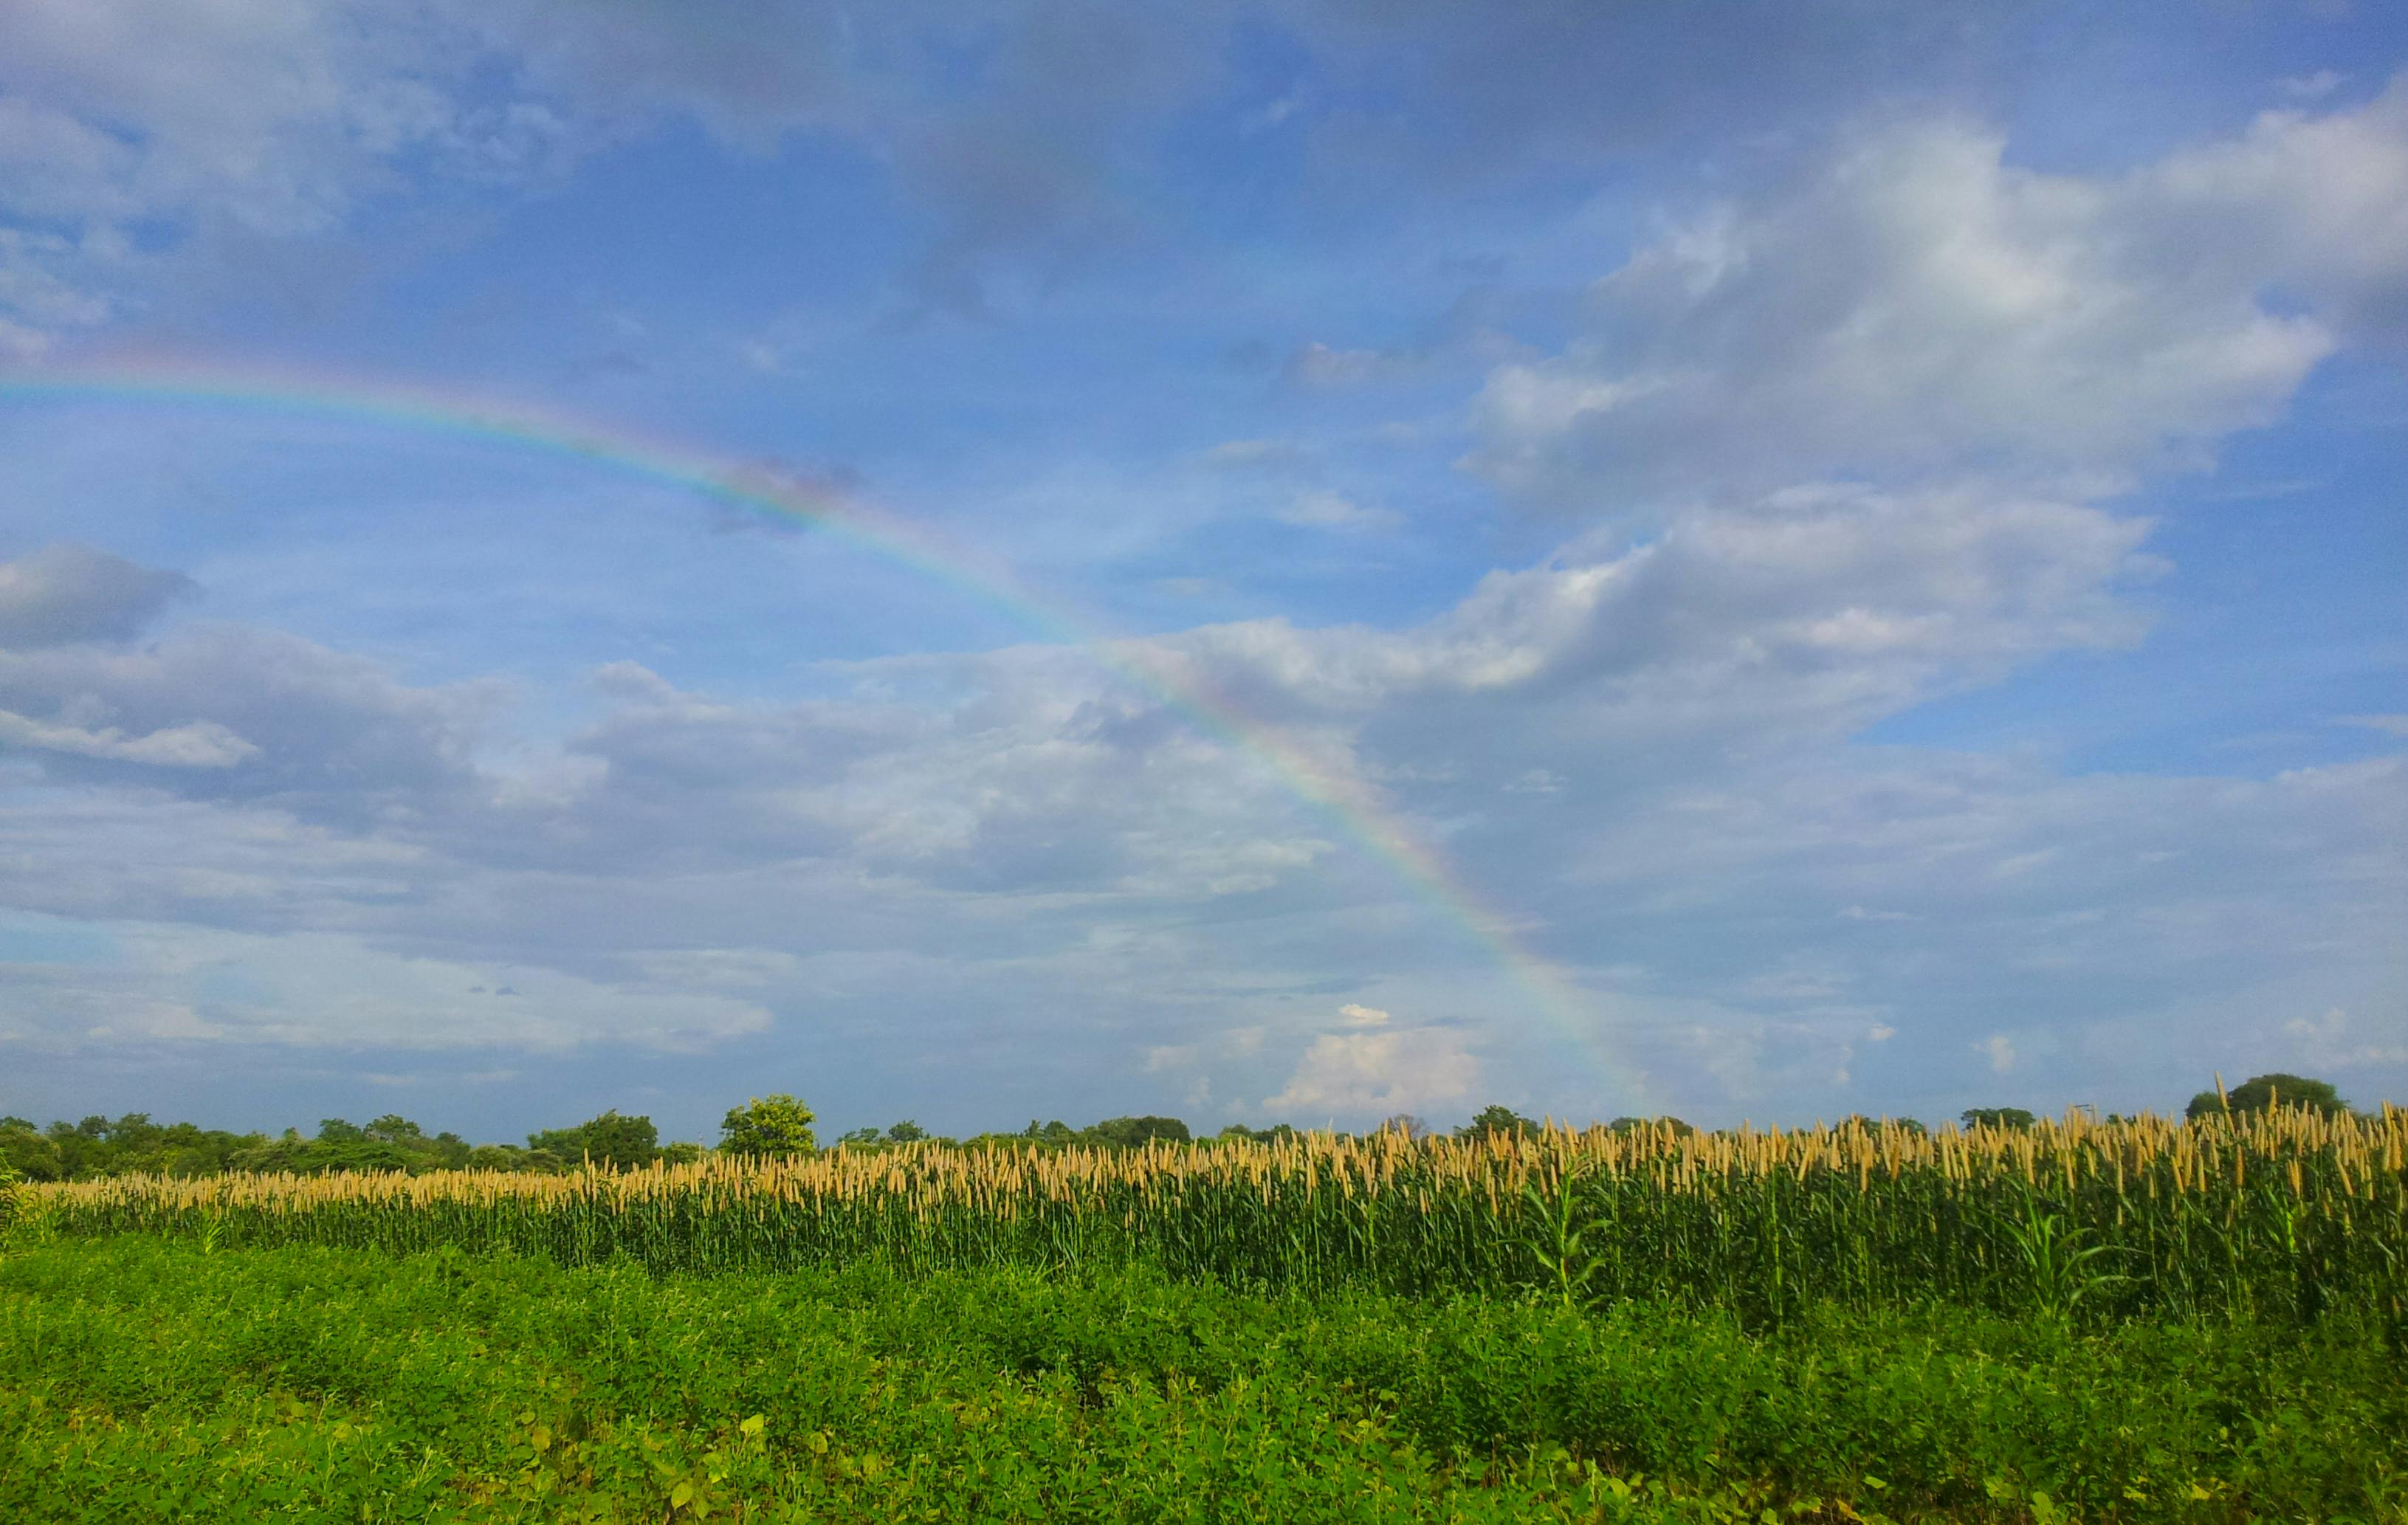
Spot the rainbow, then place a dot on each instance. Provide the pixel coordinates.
(1344, 801)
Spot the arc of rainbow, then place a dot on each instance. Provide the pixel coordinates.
(1331, 793)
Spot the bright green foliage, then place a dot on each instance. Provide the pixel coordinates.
(147, 1381)
(768, 1125)
(2260, 1091)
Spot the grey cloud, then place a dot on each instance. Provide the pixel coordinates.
(1019, 139)
(249, 714)
(64, 594)
(1510, 88)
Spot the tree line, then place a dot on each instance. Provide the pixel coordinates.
(765, 1126)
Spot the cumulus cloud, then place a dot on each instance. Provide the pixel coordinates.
(1920, 305)
(1805, 611)
(1373, 1069)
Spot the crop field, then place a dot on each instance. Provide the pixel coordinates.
(2126, 1321)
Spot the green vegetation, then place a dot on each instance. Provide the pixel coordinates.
(148, 1379)
(2135, 1320)
(2259, 1093)
(1996, 1117)
(768, 1127)
(134, 1145)
(2277, 1214)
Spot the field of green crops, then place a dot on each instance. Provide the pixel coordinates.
(2137, 1321)
(150, 1379)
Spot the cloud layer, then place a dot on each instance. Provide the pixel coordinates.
(1674, 424)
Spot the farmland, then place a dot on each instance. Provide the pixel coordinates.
(2137, 1320)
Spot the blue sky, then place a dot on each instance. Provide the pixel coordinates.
(1866, 541)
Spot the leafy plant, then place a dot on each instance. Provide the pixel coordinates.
(1561, 1244)
(2058, 1260)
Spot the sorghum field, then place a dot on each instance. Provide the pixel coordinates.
(2132, 1321)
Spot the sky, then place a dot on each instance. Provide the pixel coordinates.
(1253, 562)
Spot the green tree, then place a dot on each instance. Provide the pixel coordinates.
(861, 1138)
(1134, 1133)
(906, 1132)
(1496, 1119)
(768, 1125)
(1873, 1125)
(1271, 1135)
(28, 1153)
(2260, 1091)
(1998, 1117)
(610, 1140)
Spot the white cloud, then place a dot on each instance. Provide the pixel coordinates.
(2331, 1042)
(1999, 1050)
(203, 744)
(1815, 609)
(1360, 1074)
(1321, 509)
(1921, 306)
(146, 137)
(1356, 1015)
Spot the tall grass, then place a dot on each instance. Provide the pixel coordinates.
(2279, 1214)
